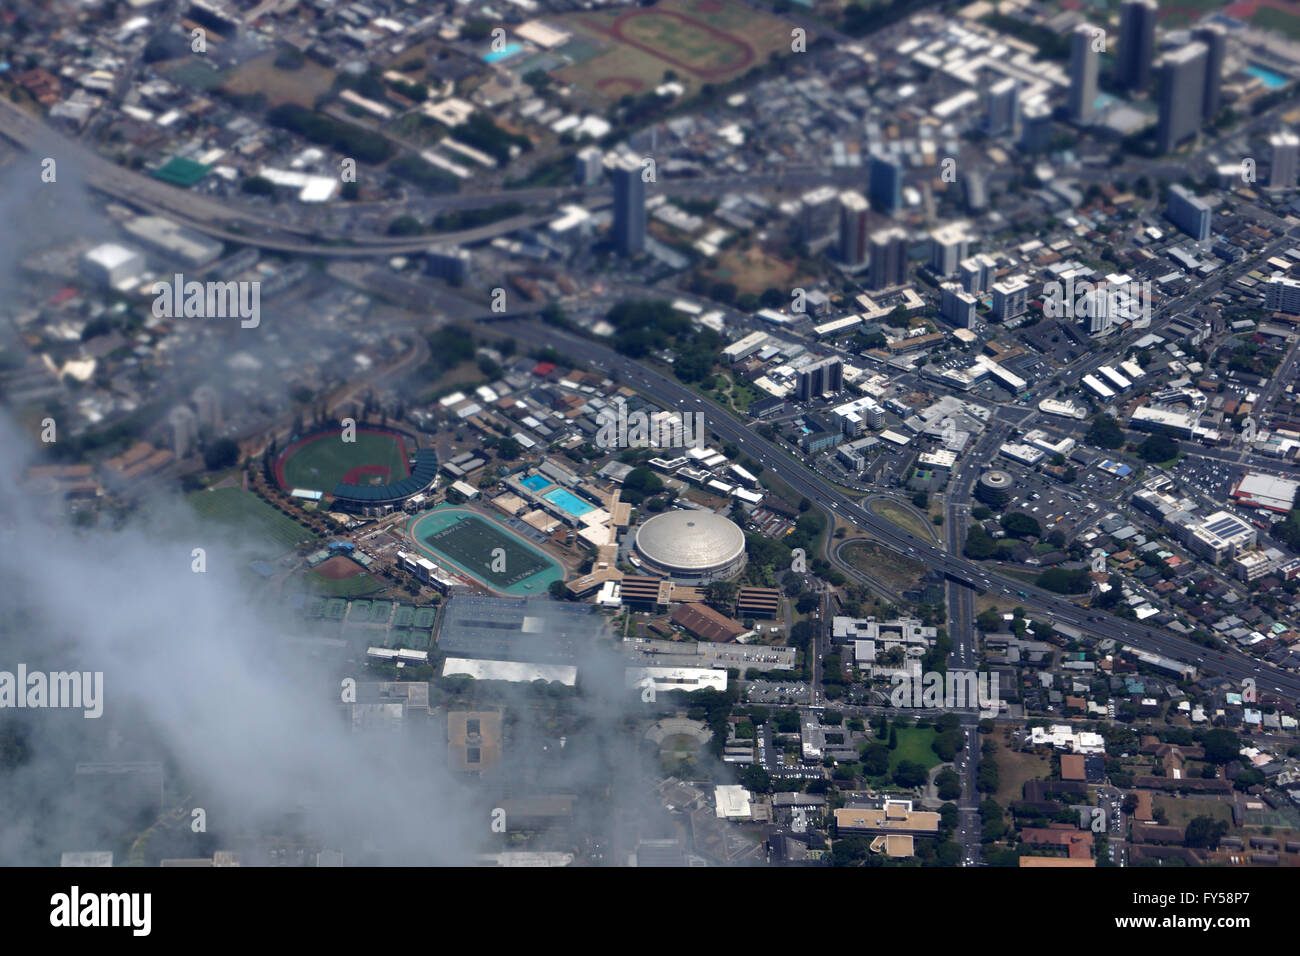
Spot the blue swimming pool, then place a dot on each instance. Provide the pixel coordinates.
(1270, 78)
(509, 50)
(536, 482)
(568, 501)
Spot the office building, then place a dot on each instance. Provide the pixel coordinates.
(948, 247)
(1182, 88)
(1285, 146)
(885, 185)
(588, 166)
(957, 306)
(1188, 213)
(854, 213)
(449, 263)
(1036, 127)
(818, 209)
(1084, 45)
(1215, 39)
(1010, 297)
(888, 258)
(1003, 105)
(1137, 43)
(824, 377)
(629, 209)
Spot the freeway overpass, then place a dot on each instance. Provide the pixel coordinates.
(830, 500)
(286, 234)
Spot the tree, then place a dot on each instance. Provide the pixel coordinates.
(1063, 581)
(1105, 433)
(948, 784)
(875, 760)
(222, 453)
(979, 544)
(1221, 746)
(1204, 833)
(1020, 525)
(893, 738)
(909, 773)
(720, 594)
(1158, 448)
(756, 779)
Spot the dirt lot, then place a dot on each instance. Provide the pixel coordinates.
(752, 270)
(301, 86)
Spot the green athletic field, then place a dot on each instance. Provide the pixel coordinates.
(256, 523)
(467, 541)
(322, 462)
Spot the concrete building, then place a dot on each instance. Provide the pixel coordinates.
(1002, 116)
(1182, 91)
(885, 184)
(691, 545)
(588, 166)
(173, 241)
(1251, 565)
(824, 377)
(1011, 297)
(888, 258)
(1215, 39)
(1188, 213)
(1036, 127)
(957, 306)
(976, 273)
(452, 264)
(818, 212)
(1084, 49)
(111, 265)
(629, 209)
(184, 425)
(1285, 148)
(1282, 295)
(854, 215)
(1137, 44)
(207, 406)
(948, 247)
(857, 416)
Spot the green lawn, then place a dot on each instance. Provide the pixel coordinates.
(321, 463)
(914, 744)
(344, 587)
(1271, 18)
(903, 517)
(250, 518)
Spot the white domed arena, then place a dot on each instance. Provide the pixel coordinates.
(691, 546)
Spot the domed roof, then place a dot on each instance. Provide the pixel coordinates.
(690, 540)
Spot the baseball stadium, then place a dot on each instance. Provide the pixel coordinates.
(469, 541)
(370, 473)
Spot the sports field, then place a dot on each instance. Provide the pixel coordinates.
(321, 462)
(469, 542)
(256, 523)
(621, 51)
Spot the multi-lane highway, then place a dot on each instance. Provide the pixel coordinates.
(673, 394)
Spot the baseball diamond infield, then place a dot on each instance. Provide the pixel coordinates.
(323, 461)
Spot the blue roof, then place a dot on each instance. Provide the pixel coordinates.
(421, 477)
